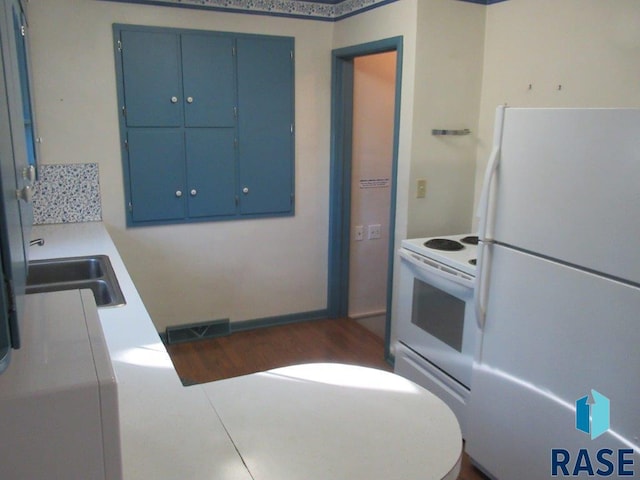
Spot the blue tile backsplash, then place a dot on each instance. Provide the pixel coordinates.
(67, 194)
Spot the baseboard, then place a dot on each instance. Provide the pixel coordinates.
(278, 320)
(218, 328)
(363, 315)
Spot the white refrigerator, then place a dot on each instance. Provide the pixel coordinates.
(555, 390)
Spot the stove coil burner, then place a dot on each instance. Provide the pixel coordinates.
(444, 244)
(470, 240)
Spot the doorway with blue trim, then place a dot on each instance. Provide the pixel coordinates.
(364, 171)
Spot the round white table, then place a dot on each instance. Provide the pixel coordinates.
(328, 421)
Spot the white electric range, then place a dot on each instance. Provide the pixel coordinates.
(436, 326)
(457, 251)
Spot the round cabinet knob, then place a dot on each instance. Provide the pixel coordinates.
(189, 99)
(25, 193)
(174, 99)
(178, 193)
(29, 174)
(245, 190)
(193, 192)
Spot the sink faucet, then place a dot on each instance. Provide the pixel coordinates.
(37, 241)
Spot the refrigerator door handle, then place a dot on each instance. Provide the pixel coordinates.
(485, 212)
(484, 208)
(481, 292)
(485, 194)
(482, 272)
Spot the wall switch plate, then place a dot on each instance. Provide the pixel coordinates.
(374, 231)
(422, 188)
(358, 233)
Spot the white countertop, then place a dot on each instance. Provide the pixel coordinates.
(292, 423)
(167, 431)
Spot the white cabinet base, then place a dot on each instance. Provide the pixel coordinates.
(58, 399)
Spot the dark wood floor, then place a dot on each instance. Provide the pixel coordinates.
(241, 353)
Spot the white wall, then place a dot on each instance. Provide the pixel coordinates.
(450, 41)
(395, 19)
(188, 273)
(372, 153)
(590, 47)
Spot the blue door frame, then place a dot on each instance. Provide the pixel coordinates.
(340, 188)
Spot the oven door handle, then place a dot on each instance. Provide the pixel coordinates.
(443, 271)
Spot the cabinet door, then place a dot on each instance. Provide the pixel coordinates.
(152, 83)
(209, 80)
(21, 32)
(15, 215)
(265, 123)
(15, 55)
(211, 171)
(156, 174)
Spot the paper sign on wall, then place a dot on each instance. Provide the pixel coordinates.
(374, 183)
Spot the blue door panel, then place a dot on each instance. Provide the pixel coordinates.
(265, 119)
(209, 80)
(156, 174)
(211, 171)
(152, 83)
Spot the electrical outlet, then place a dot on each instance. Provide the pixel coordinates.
(374, 231)
(358, 233)
(422, 188)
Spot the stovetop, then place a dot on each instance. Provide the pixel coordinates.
(460, 258)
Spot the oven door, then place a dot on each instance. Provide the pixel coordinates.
(436, 319)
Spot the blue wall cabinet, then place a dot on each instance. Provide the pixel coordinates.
(209, 81)
(265, 126)
(156, 173)
(211, 172)
(207, 124)
(152, 79)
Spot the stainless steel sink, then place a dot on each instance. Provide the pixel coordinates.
(94, 272)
